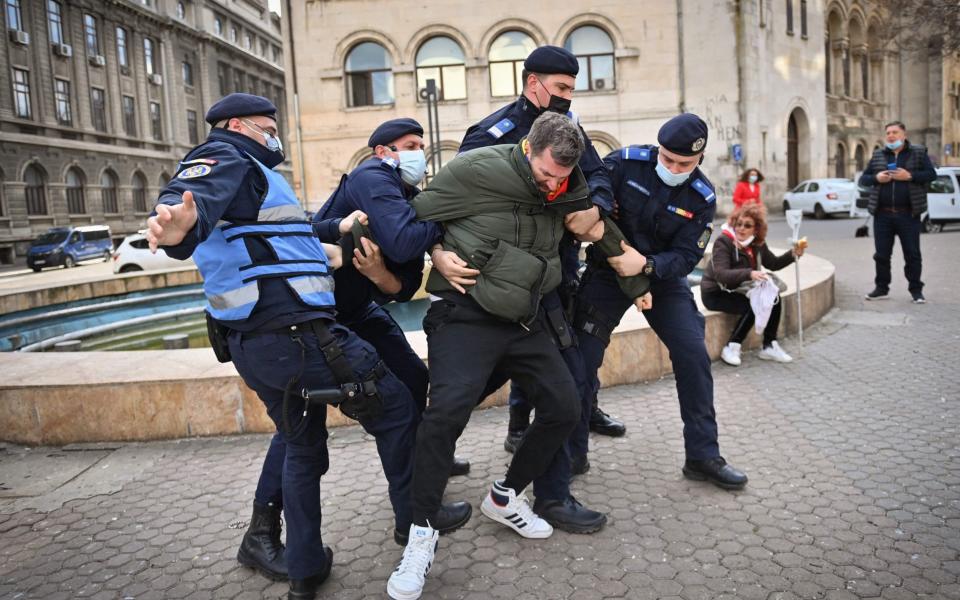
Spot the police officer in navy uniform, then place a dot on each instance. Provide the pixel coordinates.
(381, 187)
(269, 286)
(665, 208)
(549, 77)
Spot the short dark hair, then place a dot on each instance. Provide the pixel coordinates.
(560, 134)
(745, 176)
(895, 124)
(525, 73)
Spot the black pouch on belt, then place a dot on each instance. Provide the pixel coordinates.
(364, 402)
(218, 339)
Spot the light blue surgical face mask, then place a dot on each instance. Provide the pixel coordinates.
(753, 178)
(894, 145)
(271, 141)
(413, 166)
(672, 179)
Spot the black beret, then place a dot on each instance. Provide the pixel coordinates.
(552, 59)
(393, 129)
(685, 134)
(240, 105)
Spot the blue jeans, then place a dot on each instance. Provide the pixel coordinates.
(887, 226)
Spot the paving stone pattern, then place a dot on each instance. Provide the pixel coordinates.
(852, 453)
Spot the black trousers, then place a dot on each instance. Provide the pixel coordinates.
(886, 227)
(738, 304)
(466, 346)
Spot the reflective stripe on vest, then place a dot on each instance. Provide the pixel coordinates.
(230, 276)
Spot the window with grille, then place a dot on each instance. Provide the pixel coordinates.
(108, 192)
(129, 116)
(76, 202)
(156, 124)
(35, 191)
(98, 109)
(192, 127)
(139, 193)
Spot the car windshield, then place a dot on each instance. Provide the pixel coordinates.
(50, 237)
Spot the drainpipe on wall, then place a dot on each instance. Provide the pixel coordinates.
(680, 69)
(296, 107)
(740, 32)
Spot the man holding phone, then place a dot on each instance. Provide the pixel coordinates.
(898, 174)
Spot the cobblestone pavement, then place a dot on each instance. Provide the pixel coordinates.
(852, 452)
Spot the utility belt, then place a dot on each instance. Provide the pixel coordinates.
(357, 398)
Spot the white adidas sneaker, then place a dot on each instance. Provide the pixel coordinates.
(407, 581)
(504, 506)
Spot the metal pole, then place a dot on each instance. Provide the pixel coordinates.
(796, 268)
(429, 93)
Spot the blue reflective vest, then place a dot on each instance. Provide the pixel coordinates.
(230, 275)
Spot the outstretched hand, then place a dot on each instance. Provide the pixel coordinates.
(171, 223)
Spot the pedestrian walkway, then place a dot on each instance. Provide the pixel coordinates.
(853, 453)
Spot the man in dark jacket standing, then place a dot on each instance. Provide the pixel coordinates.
(898, 174)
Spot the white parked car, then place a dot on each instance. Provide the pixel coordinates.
(943, 200)
(822, 197)
(133, 254)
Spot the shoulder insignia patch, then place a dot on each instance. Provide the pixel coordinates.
(199, 161)
(573, 117)
(631, 153)
(389, 162)
(501, 129)
(704, 189)
(638, 187)
(194, 171)
(705, 236)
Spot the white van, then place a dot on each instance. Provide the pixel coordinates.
(943, 200)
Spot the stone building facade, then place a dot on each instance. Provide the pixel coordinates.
(780, 82)
(101, 98)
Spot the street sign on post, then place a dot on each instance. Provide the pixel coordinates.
(794, 219)
(737, 151)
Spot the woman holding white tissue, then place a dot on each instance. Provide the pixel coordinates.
(740, 255)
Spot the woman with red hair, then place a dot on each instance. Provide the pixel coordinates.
(748, 189)
(739, 256)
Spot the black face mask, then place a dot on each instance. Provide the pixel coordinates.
(557, 104)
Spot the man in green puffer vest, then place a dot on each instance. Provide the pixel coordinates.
(502, 209)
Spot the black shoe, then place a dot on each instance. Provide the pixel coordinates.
(877, 294)
(569, 515)
(579, 464)
(604, 424)
(717, 471)
(918, 298)
(306, 589)
(261, 548)
(449, 518)
(512, 442)
(461, 466)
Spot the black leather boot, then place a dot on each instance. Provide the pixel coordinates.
(261, 548)
(461, 466)
(604, 424)
(716, 471)
(306, 589)
(569, 515)
(450, 517)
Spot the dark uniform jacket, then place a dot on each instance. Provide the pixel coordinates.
(375, 187)
(670, 225)
(900, 195)
(512, 123)
(227, 185)
(730, 266)
(497, 220)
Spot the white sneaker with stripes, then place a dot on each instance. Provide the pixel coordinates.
(406, 582)
(504, 506)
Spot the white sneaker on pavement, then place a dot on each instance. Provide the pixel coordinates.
(504, 506)
(774, 352)
(731, 354)
(406, 582)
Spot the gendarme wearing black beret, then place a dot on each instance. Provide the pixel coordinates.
(393, 129)
(240, 105)
(552, 59)
(685, 134)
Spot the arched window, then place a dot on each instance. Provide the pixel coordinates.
(76, 202)
(594, 50)
(441, 59)
(506, 57)
(860, 158)
(164, 179)
(35, 190)
(108, 192)
(841, 161)
(139, 192)
(369, 75)
(601, 147)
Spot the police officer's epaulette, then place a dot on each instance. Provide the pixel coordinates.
(573, 117)
(501, 128)
(389, 162)
(705, 190)
(634, 153)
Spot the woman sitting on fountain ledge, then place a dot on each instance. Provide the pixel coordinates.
(740, 254)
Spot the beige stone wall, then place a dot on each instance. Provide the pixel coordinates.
(724, 52)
